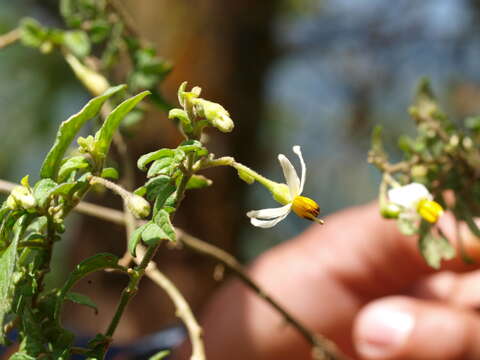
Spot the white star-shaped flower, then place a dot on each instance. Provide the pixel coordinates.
(291, 199)
(415, 199)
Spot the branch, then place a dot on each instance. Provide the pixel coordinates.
(323, 349)
(183, 310)
(9, 38)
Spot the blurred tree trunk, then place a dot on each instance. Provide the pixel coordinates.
(225, 47)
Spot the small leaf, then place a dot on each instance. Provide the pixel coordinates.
(198, 182)
(110, 173)
(82, 300)
(193, 146)
(153, 234)
(406, 226)
(42, 189)
(135, 239)
(160, 355)
(71, 164)
(160, 186)
(95, 263)
(32, 33)
(69, 129)
(8, 260)
(162, 166)
(144, 160)
(77, 42)
(162, 219)
(435, 249)
(104, 136)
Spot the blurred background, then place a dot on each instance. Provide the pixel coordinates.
(318, 73)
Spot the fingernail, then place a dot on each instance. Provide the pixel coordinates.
(382, 330)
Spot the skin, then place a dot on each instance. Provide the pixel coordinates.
(333, 277)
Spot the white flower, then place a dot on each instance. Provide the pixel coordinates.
(415, 199)
(302, 206)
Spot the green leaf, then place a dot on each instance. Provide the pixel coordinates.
(144, 160)
(69, 129)
(407, 226)
(33, 339)
(42, 190)
(32, 33)
(8, 260)
(160, 186)
(193, 146)
(162, 219)
(110, 173)
(95, 263)
(77, 42)
(82, 300)
(162, 166)
(198, 182)
(21, 356)
(435, 248)
(135, 239)
(71, 164)
(104, 136)
(153, 234)
(160, 355)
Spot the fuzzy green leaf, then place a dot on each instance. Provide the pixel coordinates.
(77, 42)
(110, 173)
(435, 248)
(198, 182)
(8, 260)
(69, 129)
(135, 239)
(42, 190)
(162, 219)
(82, 300)
(71, 164)
(160, 186)
(153, 234)
(104, 136)
(162, 166)
(95, 263)
(144, 160)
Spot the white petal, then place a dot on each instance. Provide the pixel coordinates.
(291, 176)
(409, 195)
(270, 213)
(298, 151)
(267, 223)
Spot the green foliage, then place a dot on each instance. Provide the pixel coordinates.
(434, 247)
(69, 129)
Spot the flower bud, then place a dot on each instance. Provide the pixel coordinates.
(390, 211)
(21, 196)
(306, 208)
(93, 81)
(138, 206)
(215, 114)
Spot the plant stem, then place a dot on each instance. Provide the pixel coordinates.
(9, 38)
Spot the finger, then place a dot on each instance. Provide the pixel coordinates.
(455, 289)
(398, 328)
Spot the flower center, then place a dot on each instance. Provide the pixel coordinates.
(429, 210)
(306, 208)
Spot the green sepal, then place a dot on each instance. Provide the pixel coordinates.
(69, 129)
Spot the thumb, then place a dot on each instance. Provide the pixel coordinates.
(397, 328)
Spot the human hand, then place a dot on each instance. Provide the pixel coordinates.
(359, 282)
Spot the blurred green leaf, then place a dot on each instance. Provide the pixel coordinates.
(71, 164)
(69, 129)
(153, 234)
(32, 33)
(110, 173)
(162, 166)
(160, 186)
(435, 248)
(42, 191)
(104, 136)
(135, 239)
(198, 182)
(82, 300)
(144, 160)
(77, 42)
(8, 260)
(95, 263)
(162, 219)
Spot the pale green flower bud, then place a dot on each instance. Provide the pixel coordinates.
(138, 206)
(215, 114)
(93, 81)
(21, 196)
(390, 211)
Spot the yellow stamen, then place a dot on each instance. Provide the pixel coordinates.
(306, 208)
(429, 210)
